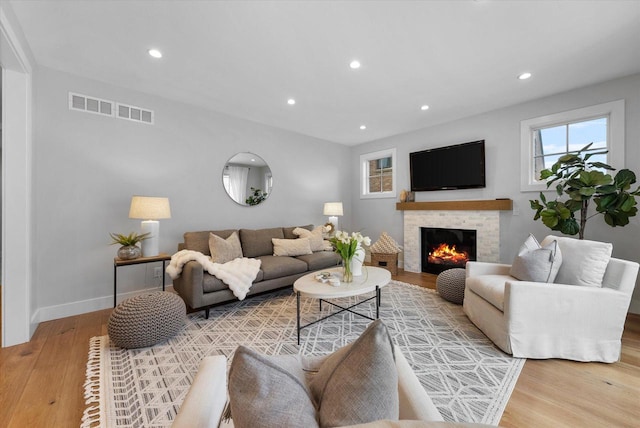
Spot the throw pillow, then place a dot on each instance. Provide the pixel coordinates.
(314, 236)
(291, 247)
(537, 263)
(265, 391)
(584, 262)
(359, 382)
(224, 250)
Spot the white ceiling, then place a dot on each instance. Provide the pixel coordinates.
(246, 58)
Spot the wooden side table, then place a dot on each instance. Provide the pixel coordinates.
(162, 257)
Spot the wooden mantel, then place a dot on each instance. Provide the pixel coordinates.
(481, 205)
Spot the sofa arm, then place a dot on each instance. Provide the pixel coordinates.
(189, 284)
(204, 404)
(485, 268)
(415, 403)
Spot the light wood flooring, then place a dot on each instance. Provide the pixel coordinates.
(41, 381)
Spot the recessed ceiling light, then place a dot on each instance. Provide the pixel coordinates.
(354, 64)
(291, 101)
(524, 76)
(253, 159)
(424, 107)
(155, 53)
(363, 127)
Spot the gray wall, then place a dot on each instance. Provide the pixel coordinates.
(87, 167)
(501, 130)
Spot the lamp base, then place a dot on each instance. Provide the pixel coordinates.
(334, 220)
(150, 246)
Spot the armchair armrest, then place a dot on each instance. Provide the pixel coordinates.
(415, 403)
(486, 268)
(204, 404)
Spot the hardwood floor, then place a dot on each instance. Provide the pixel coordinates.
(41, 381)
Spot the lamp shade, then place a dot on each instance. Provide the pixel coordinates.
(333, 208)
(149, 208)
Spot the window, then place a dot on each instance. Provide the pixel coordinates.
(547, 138)
(378, 174)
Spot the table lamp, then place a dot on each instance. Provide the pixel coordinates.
(150, 210)
(333, 210)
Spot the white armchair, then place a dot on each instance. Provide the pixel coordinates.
(541, 320)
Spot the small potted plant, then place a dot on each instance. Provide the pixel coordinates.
(129, 249)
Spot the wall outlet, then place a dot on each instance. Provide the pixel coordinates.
(157, 272)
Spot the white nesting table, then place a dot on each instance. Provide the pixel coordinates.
(371, 280)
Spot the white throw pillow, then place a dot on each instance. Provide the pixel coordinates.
(537, 263)
(315, 237)
(583, 262)
(291, 247)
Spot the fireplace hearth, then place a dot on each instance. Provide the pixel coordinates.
(443, 249)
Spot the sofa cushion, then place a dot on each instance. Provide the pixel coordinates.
(490, 288)
(288, 231)
(536, 263)
(583, 262)
(320, 260)
(318, 243)
(199, 241)
(291, 247)
(269, 391)
(359, 382)
(257, 243)
(224, 250)
(280, 266)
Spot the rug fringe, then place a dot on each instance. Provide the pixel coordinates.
(93, 416)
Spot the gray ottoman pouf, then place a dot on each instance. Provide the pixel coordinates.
(146, 319)
(450, 285)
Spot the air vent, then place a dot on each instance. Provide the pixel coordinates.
(90, 104)
(137, 114)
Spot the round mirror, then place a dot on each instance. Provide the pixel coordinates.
(247, 179)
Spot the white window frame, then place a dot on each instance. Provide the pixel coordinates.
(613, 111)
(364, 174)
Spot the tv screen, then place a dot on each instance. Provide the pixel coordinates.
(452, 167)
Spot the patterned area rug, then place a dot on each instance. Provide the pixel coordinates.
(466, 376)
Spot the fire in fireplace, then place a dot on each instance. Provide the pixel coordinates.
(444, 249)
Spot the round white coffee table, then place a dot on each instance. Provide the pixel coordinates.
(371, 280)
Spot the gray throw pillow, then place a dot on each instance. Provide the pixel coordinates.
(359, 382)
(224, 250)
(536, 263)
(269, 391)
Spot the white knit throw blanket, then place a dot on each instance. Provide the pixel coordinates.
(238, 274)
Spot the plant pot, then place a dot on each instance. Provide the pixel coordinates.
(129, 252)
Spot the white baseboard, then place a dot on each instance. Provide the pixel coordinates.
(49, 313)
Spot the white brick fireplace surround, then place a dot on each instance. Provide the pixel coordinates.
(485, 222)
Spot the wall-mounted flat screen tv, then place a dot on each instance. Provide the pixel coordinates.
(452, 167)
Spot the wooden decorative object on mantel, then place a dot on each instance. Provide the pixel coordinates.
(479, 205)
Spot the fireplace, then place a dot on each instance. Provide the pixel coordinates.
(443, 249)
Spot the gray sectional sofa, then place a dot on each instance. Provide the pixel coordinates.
(200, 290)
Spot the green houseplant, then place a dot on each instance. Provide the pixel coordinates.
(129, 249)
(257, 197)
(583, 181)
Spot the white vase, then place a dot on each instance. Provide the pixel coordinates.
(357, 261)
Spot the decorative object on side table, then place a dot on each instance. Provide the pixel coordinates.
(583, 181)
(150, 210)
(346, 246)
(129, 249)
